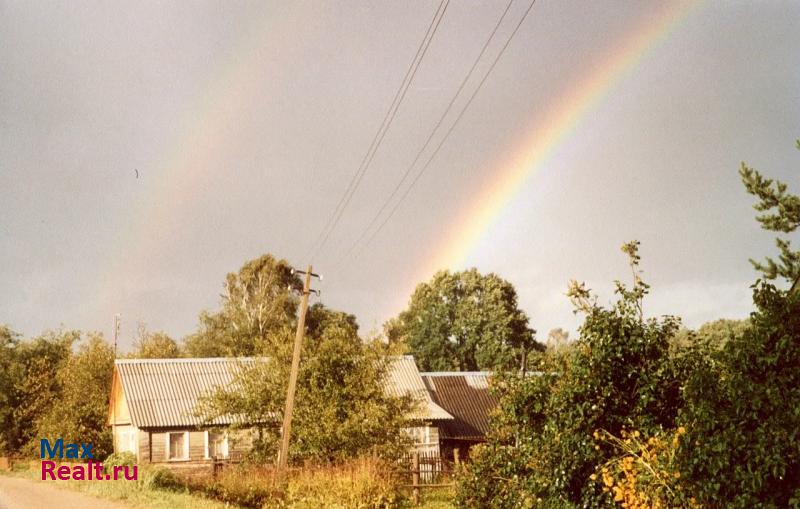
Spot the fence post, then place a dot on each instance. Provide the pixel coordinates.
(415, 477)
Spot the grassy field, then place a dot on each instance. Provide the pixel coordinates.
(438, 498)
(137, 494)
(142, 494)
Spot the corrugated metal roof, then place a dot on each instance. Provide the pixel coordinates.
(467, 398)
(165, 392)
(403, 378)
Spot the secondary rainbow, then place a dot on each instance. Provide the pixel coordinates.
(183, 172)
(540, 144)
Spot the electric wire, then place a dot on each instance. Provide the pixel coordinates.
(447, 134)
(388, 118)
(428, 140)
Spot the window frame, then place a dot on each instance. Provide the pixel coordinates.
(185, 451)
(126, 439)
(225, 445)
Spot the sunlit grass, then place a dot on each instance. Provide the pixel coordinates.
(136, 494)
(332, 487)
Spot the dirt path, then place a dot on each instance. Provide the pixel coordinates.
(17, 493)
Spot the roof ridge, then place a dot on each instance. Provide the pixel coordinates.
(456, 373)
(184, 360)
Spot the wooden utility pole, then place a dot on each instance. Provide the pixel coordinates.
(298, 344)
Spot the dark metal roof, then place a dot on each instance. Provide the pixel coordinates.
(165, 392)
(467, 398)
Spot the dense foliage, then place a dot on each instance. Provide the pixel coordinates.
(465, 321)
(10, 373)
(154, 345)
(619, 375)
(257, 306)
(81, 411)
(743, 411)
(54, 390)
(341, 407)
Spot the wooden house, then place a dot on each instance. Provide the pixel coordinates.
(428, 417)
(152, 410)
(153, 403)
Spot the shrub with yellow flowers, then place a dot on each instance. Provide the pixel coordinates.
(643, 475)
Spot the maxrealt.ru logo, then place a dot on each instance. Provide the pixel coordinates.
(91, 471)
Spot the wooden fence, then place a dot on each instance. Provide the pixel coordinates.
(428, 469)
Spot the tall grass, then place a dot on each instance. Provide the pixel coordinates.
(362, 484)
(156, 488)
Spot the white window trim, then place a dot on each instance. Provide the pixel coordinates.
(185, 445)
(225, 451)
(126, 439)
(133, 440)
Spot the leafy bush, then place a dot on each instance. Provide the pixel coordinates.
(743, 398)
(497, 477)
(742, 412)
(159, 478)
(119, 459)
(150, 476)
(619, 375)
(645, 472)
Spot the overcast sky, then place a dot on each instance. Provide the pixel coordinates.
(245, 121)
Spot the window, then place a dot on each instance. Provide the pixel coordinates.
(216, 444)
(178, 445)
(420, 435)
(126, 439)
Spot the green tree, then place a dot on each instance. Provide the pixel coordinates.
(713, 334)
(743, 399)
(619, 374)
(257, 306)
(465, 321)
(82, 408)
(341, 408)
(557, 339)
(154, 345)
(717, 332)
(11, 370)
(39, 389)
(781, 214)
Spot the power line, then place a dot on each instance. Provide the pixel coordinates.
(447, 134)
(411, 166)
(388, 118)
(384, 127)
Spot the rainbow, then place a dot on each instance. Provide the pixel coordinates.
(185, 169)
(539, 145)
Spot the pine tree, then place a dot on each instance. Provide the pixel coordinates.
(781, 213)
